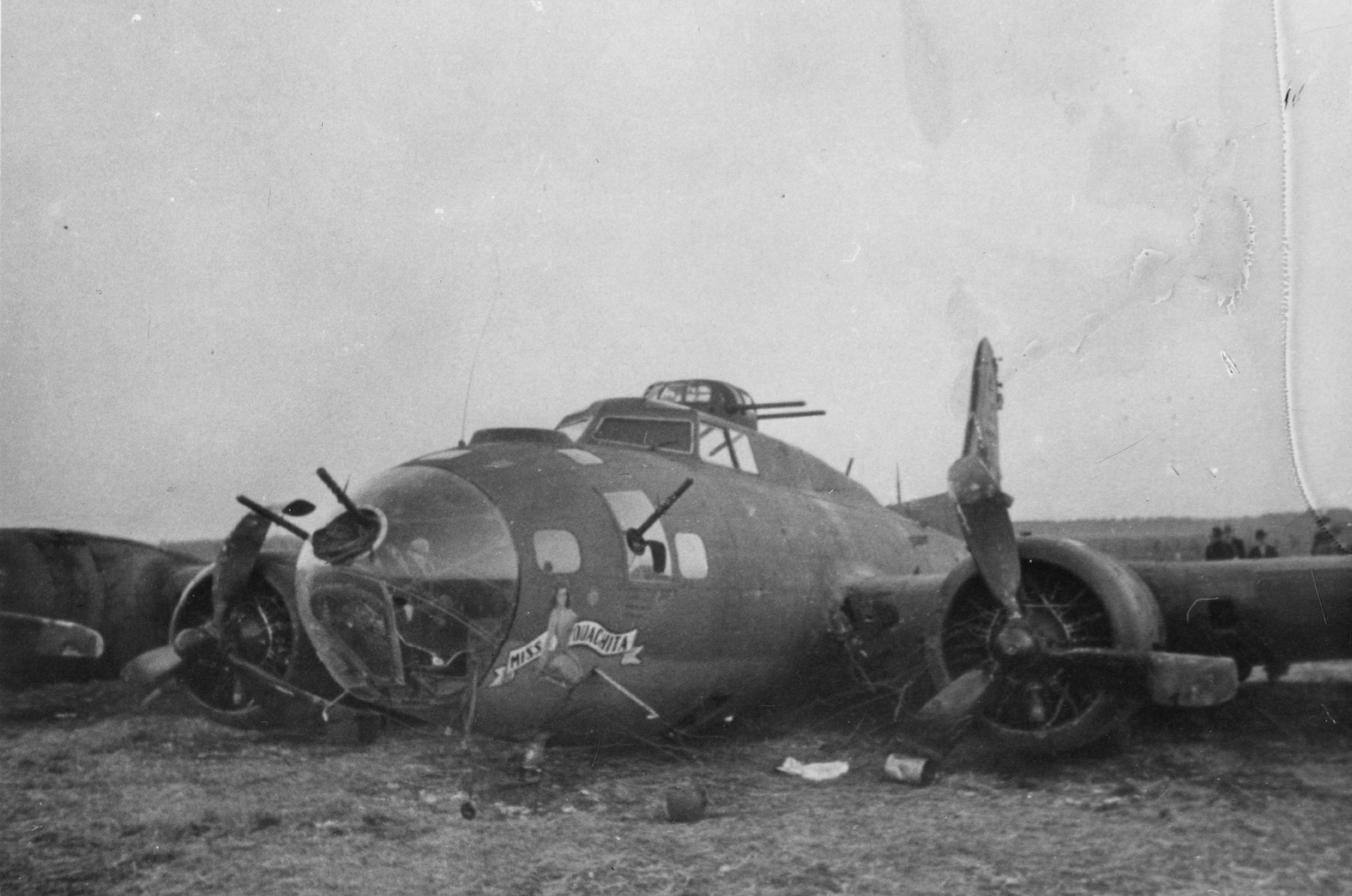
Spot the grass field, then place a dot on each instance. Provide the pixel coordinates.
(100, 796)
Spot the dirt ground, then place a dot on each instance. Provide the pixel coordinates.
(100, 796)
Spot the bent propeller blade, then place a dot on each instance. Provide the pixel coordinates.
(974, 484)
(959, 699)
(150, 669)
(983, 430)
(235, 563)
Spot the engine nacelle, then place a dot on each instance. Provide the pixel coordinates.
(262, 627)
(1073, 597)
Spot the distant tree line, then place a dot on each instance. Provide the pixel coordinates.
(1183, 538)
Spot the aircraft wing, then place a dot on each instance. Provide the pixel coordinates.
(1049, 645)
(1261, 612)
(75, 605)
(23, 636)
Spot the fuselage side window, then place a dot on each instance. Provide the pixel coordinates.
(631, 509)
(645, 432)
(690, 556)
(557, 551)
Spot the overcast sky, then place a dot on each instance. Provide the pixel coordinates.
(243, 240)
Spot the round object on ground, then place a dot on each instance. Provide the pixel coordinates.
(686, 803)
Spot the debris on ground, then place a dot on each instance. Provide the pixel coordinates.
(814, 771)
(910, 769)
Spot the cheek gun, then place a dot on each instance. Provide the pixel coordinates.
(634, 538)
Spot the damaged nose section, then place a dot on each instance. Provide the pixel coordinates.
(409, 592)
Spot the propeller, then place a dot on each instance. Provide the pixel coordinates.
(983, 510)
(233, 645)
(229, 579)
(1023, 655)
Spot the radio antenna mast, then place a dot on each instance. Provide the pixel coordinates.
(474, 359)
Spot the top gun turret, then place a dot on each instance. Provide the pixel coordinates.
(723, 400)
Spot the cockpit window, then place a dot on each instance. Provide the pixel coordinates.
(646, 432)
(573, 429)
(745, 458)
(726, 448)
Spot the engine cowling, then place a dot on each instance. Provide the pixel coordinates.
(1075, 597)
(262, 627)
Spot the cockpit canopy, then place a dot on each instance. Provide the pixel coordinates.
(710, 396)
(708, 425)
(638, 422)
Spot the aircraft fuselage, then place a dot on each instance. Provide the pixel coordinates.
(506, 562)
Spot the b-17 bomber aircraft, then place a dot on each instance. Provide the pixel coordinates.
(649, 567)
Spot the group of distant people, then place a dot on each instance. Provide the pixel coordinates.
(1226, 545)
